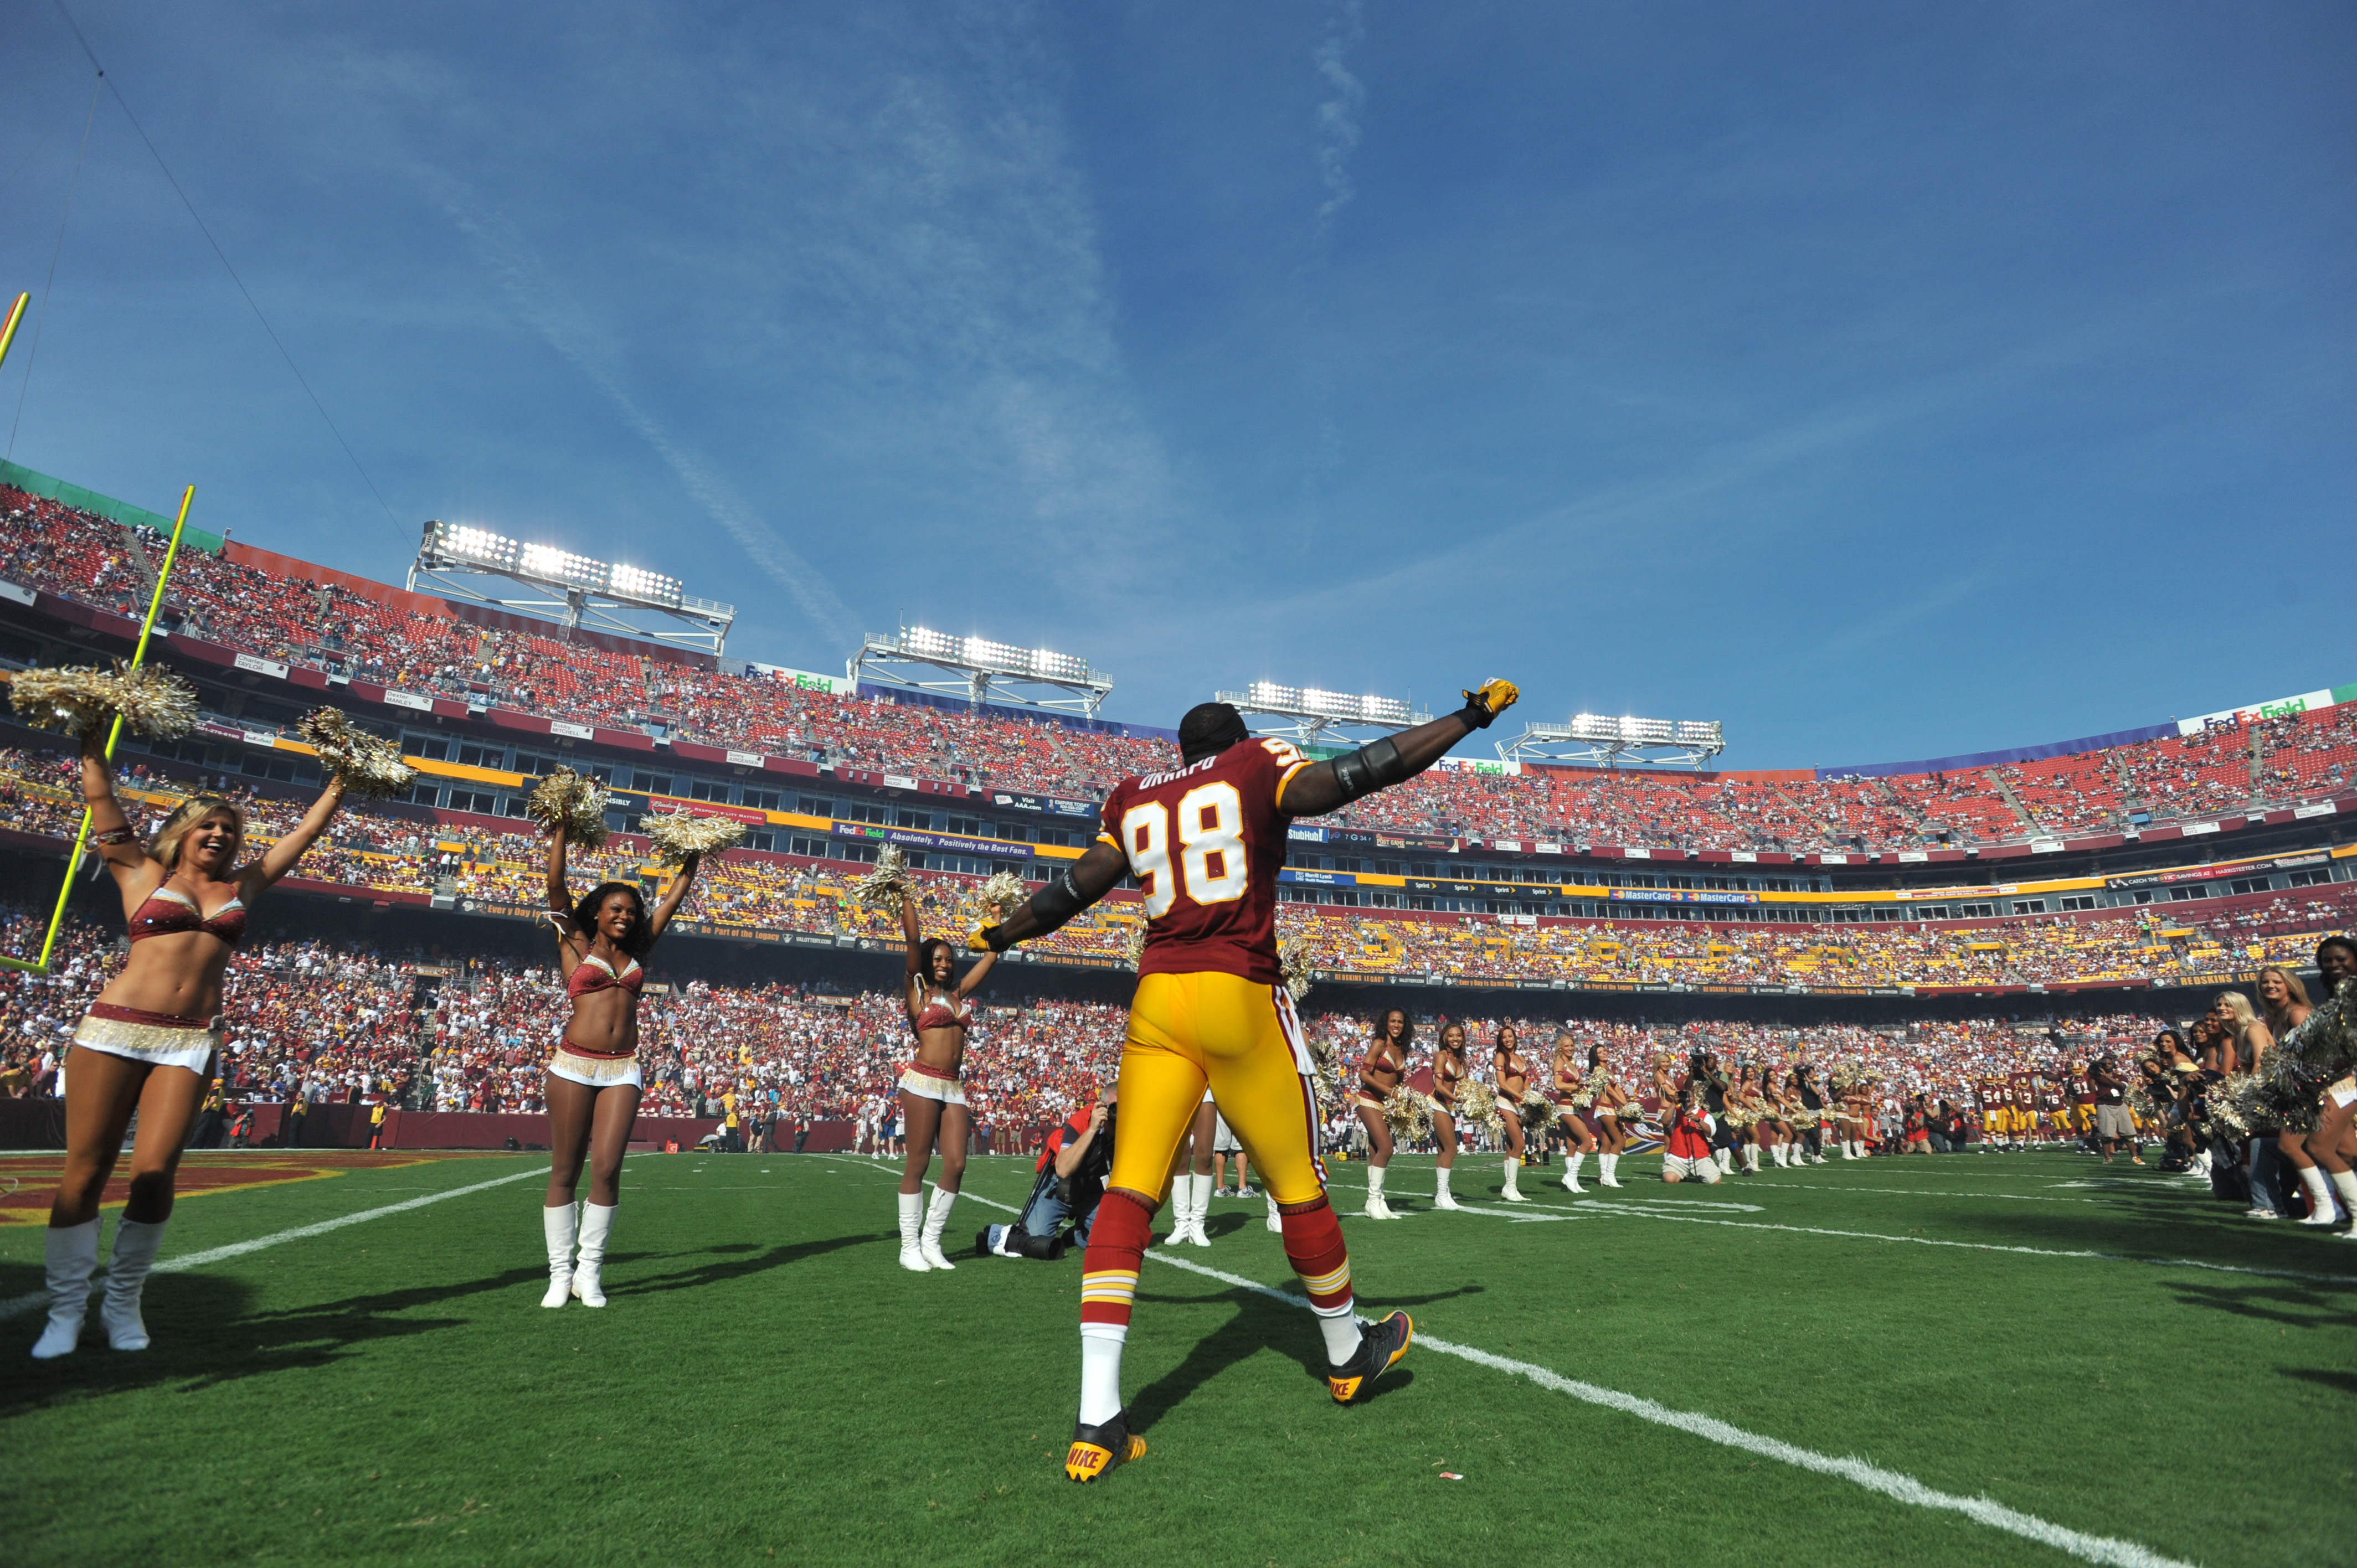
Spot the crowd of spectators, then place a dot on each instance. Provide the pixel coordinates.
(322, 1021)
(399, 640)
(500, 865)
(312, 1021)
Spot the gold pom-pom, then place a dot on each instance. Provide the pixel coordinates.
(1133, 946)
(1293, 953)
(149, 699)
(1326, 1067)
(1478, 1102)
(154, 702)
(1407, 1114)
(72, 699)
(888, 885)
(573, 800)
(2327, 1042)
(2223, 1108)
(370, 766)
(1001, 892)
(675, 835)
(1537, 1112)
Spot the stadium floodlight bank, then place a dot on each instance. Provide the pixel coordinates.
(983, 670)
(1312, 716)
(1609, 742)
(457, 560)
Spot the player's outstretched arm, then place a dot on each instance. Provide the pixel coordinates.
(1088, 879)
(1395, 758)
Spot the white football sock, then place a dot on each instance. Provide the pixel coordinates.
(1101, 1346)
(1341, 1327)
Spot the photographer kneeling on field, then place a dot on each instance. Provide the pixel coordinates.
(1071, 1181)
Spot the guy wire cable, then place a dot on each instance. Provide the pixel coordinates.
(34, 348)
(222, 256)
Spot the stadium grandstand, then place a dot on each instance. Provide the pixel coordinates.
(2120, 868)
(2152, 856)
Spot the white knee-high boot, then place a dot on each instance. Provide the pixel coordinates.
(2345, 1184)
(135, 1243)
(1376, 1208)
(558, 1225)
(1752, 1158)
(1196, 1234)
(1571, 1171)
(596, 1224)
(70, 1255)
(1441, 1197)
(937, 1218)
(1608, 1170)
(1513, 1171)
(2320, 1196)
(1182, 1205)
(912, 1221)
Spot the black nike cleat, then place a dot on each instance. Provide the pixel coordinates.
(1097, 1449)
(1380, 1345)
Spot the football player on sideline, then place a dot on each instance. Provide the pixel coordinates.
(1205, 842)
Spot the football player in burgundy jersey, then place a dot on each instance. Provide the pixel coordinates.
(1205, 840)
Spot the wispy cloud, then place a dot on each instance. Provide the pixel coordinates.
(550, 310)
(1338, 113)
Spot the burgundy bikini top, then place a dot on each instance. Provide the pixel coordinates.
(596, 974)
(168, 911)
(942, 1011)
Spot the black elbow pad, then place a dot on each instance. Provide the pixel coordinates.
(1377, 766)
(1058, 902)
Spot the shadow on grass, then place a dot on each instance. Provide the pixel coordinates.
(204, 1333)
(739, 1267)
(2346, 1383)
(2285, 1303)
(1259, 1324)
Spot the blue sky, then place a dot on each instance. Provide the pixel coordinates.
(1885, 380)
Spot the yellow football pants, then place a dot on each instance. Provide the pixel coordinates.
(1241, 1038)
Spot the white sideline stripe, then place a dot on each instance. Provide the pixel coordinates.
(1926, 1192)
(2104, 1549)
(1642, 1212)
(1857, 1471)
(16, 1306)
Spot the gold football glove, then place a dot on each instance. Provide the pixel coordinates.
(978, 939)
(1489, 700)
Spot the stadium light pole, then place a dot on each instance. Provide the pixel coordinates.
(1310, 716)
(916, 657)
(1608, 742)
(456, 558)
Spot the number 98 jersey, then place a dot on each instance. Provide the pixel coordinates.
(1206, 843)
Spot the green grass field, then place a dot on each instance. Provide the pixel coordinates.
(769, 1385)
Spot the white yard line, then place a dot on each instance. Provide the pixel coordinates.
(2104, 1549)
(1647, 1211)
(18, 1306)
